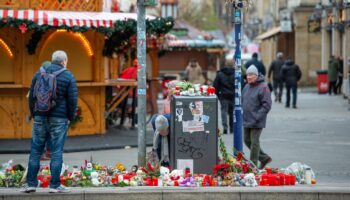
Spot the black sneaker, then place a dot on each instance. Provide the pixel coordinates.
(225, 132)
(264, 163)
(27, 189)
(295, 107)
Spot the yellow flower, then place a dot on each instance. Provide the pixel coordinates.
(119, 166)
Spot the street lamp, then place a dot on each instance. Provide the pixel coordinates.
(237, 20)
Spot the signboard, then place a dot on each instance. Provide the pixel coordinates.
(314, 26)
(286, 26)
(151, 2)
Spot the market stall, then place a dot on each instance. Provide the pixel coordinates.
(29, 37)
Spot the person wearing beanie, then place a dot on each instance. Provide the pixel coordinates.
(256, 103)
(258, 64)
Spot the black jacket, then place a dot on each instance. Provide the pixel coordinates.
(259, 65)
(224, 83)
(67, 99)
(275, 69)
(290, 73)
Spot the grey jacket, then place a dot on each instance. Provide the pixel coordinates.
(256, 103)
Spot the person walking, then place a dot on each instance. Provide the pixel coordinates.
(258, 64)
(275, 71)
(333, 66)
(340, 74)
(51, 118)
(193, 72)
(291, 74)
(225, 89)
(256, 103)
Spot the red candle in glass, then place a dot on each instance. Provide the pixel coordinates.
(155, 181)
(45, 183)
(292, 182)
(176, 183)
(268, 170)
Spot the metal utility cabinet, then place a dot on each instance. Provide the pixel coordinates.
(193, 136)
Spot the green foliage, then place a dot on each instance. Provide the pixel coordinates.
(200, 15)
(117, 37)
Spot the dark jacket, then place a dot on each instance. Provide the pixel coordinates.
(275, 68)
(256, 103)
(259, 65)
(290, 73)
(67, 98)
(333, 67)
(224, 83)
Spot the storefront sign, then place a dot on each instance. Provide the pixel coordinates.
(314, 26)
(286, 26)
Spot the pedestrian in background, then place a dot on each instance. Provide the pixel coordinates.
(225, 90)
(291, 74)
(193, 72)
(333, 67)
(275, 71)
(340, 74)
(51, 125)
(256, 103)
(258, 64)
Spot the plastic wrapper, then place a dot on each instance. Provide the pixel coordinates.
(299, 170)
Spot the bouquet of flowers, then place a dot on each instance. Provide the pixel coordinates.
(78, 118)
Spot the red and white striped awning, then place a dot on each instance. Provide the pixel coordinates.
(67, 18)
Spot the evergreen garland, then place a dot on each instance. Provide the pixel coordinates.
(118, 36)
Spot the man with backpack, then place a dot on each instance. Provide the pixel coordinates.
(53, 101)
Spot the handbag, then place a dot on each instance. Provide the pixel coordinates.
(152, 156)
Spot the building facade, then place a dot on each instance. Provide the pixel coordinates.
(284, 28)
(334, 18)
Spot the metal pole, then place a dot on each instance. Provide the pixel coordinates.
(238, 121)
(141, 85)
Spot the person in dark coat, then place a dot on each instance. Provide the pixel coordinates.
(52, 125)
(275, 71)
(340, 74)
(258, 64)
(224, 84)
(333, 67)
(291, 74)
(256, 103)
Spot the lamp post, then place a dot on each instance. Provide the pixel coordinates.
(238, 112)
(237, 10)
(141, 79)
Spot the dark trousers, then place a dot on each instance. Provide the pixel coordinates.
(339, 84)
(294, 89)
(278, 89)
(252, 141)
(227, 109)
(332, 87)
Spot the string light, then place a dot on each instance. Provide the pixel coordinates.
(86, 44)
(6, 47)
(81, 38)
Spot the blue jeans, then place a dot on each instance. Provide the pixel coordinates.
(227, 109)
(294, 94)
(44, 129)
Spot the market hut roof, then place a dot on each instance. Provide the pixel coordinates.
(67, 18)
(183, 35)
